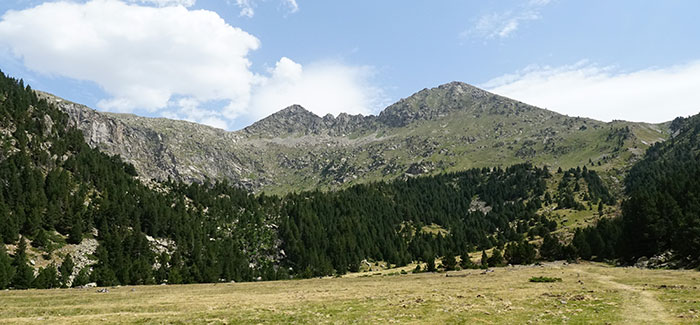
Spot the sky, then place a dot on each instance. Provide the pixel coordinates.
(228, 63)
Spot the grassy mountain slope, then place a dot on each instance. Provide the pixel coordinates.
(444, 129)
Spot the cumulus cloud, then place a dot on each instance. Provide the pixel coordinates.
(141, 56)
(165, 3)
(189, 109)
(248, 6)
(605, 93)
(322, 88)
(504, 24)
(175, 62)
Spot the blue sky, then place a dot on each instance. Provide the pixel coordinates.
(227, 63)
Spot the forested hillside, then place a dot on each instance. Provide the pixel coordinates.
(662, 213)
(56, 190)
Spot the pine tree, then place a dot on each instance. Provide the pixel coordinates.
(430, 265)
(496, 258)
(450, 262)
(41, 240)
(82, 278)
(75, 236)
(551, 248)
(484, 259)
(24, 274)
(583, 249)
(66, 270)
(466, 261)
(47, 278)
(6, 269)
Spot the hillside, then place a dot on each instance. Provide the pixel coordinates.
(660, 221)
(449, 128)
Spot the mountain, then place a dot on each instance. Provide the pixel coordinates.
(448, 128)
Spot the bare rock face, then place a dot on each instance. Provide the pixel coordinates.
(161, 148)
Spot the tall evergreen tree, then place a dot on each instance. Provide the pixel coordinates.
(496, 258)
(551, 248)
(66, 270)
(47, 278)
(449, 262)
(484, 259)
(24, 274)
(6, 270)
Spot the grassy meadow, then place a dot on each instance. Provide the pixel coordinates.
(588, 293)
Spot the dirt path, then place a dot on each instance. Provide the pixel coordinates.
(639, 306)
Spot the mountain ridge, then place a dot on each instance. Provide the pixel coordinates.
(451, 127)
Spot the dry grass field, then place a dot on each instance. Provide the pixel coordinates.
(588, 293)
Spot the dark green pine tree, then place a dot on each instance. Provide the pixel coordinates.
(6, 269)
(9, 231)
(430, 263)
(496, 258)
(75, 235)
(449, 262)
(24, 274)
(583, 249)
(47, 278)
(82, 278)
(484, 259)
(551, 248)
(466, 261)
(66, 270)
(41, 240)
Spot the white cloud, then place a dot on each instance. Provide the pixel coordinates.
(585, 89)
(141, 56)
(166, 3)
(175, 62)
(322, 88)
(189, 109)
(504, 24)
(248, 6)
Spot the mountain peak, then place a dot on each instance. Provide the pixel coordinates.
(297, 120)
(295, 109)
(434, 103)
(293, 119)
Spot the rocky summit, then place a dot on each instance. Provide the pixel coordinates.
(448, 128)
